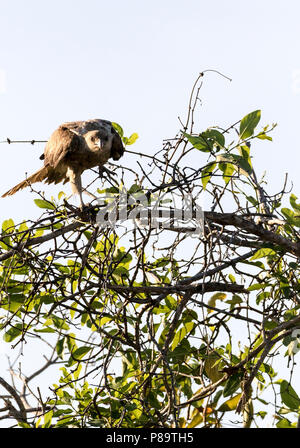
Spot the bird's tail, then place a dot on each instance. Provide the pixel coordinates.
(38, 176)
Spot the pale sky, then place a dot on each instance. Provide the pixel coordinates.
(134, 62)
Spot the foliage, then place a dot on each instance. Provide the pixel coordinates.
(158, 325)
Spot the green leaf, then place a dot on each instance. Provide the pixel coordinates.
(239, 161)
(13, 333)
(60, 347)
(252, 200)
(215, 138)
(118, 128)
(45, 330)
(71, 341)
(61, 194)
(284, 423)
(23, 227)
(199, 142)
(24, 425)
(135, 188)
(132, 139)
(244, 151)
(230, 404)
(289, 396)
(292, 219)
(8, 225)
(249, 123)
(228, 169)
(215, 297)
(58, 322)
(264, 252)
(187, 328)
(207, 141)
(206, 174)
(232, 384)
(196, 420)
(264, 136)
(15, 302)
(80, 352)
(270, 324)
(212, 367)
(262, 296)
(47, 419)
(39, 232)
(104, 320)
(294, 265)
(171, 303)
(232, 278)
(41, 203)
(236, 300)
(112, 190)
(215, 135)
(257, 286)
(267, 369)
(293, 202)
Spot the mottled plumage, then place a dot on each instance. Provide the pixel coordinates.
(73, 148)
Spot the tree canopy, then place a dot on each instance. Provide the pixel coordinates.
(172, 301)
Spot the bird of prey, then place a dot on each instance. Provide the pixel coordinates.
(73, 148)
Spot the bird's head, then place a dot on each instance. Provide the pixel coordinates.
(96, 140)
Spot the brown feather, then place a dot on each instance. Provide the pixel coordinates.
(38, 176)
(117, 148)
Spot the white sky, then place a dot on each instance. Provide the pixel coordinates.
(134, 62)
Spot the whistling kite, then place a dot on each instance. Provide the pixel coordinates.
(73, 148)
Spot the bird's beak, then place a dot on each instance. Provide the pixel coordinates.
(99, 143)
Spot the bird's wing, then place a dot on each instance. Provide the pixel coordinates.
(61, 143)
(105, 128)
